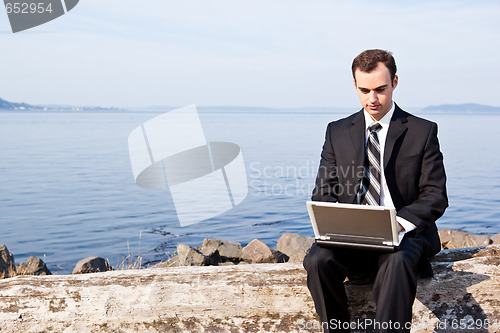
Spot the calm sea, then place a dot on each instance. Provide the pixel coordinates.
(67, 190)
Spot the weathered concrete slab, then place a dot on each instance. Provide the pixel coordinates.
(241, 298)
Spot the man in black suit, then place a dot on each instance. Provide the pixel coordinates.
(412, 179)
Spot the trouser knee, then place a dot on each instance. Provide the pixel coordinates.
(317, 258)
(400, 261)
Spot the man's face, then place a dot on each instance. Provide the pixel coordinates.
(375, 90)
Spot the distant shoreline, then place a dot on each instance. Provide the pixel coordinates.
(443, 108)
(212, 110)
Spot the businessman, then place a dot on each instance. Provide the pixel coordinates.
(380, 155)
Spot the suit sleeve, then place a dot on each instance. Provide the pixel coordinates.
(432, 198)
(326, 188)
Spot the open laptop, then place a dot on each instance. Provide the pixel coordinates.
(361, 227)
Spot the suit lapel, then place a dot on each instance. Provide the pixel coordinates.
(396, 129)
(357, 131)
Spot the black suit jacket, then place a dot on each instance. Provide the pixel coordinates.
(414, 170)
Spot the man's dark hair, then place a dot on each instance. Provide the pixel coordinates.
(368, 60)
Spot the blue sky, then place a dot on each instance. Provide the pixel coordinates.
(251, 53)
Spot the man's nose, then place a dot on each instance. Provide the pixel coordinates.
(373, 97)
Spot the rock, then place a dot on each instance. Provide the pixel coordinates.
(238, 298)
(170, 262)
(189, 256)
(34, 266)
(294, 246)
(91, 265)
(451, 255)
(452, 239)
(490, 252)
(495, 239)
(480, 240)
(194, 256)
(228, 250)
(212, 256)
(258, 252)
(227, 263)
(7, 265)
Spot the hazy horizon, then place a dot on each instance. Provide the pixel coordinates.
(276, 54)
(132, 107)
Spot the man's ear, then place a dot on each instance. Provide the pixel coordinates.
(395, 82)
(355, 86)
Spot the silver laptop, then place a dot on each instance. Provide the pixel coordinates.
(354, 226)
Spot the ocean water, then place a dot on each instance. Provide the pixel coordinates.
(67, 190)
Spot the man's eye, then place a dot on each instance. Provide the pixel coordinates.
(380, 90)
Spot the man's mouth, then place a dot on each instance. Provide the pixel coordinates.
(373, 107)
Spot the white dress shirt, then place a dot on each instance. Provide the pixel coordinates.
(385, 195)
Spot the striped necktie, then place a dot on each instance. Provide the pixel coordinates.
(373, 172)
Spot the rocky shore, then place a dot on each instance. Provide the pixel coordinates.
(290, 248)
(237, 292)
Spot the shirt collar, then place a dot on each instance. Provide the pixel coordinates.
(384, 122)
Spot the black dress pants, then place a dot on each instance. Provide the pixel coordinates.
(394, 288)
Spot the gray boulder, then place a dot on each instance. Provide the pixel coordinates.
(92, 265)
(193, 256)
(228, 250)
(7, 266)
(258, 252)
(212, 256)
(452, 239)
(34, 266)
(188, 256)
(294, 246)
(495, 239)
